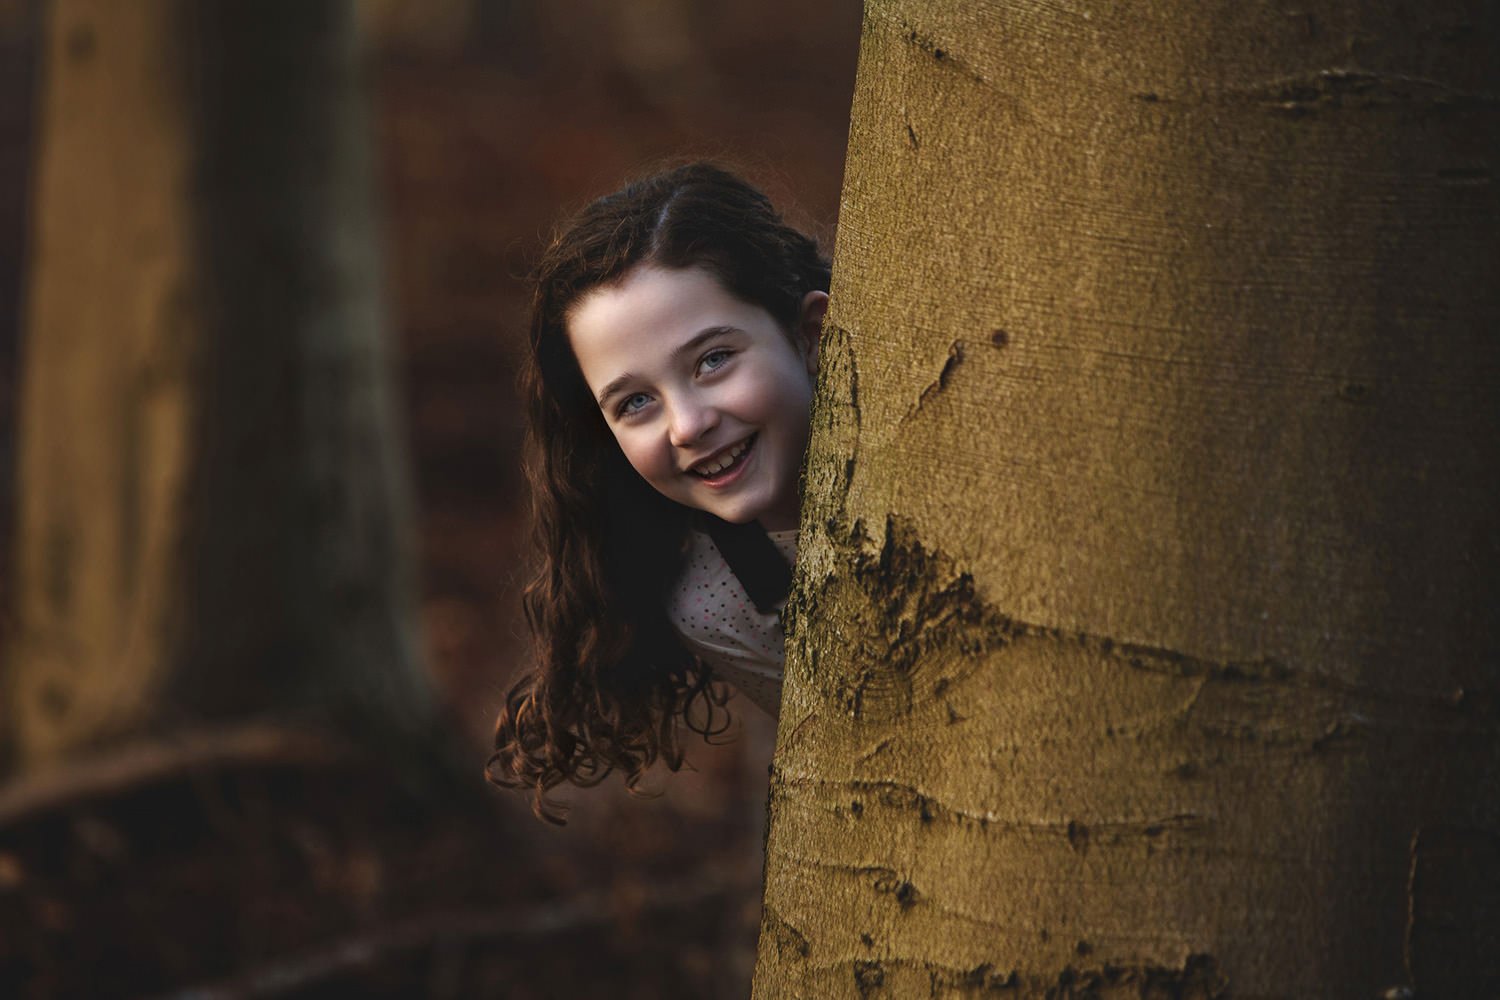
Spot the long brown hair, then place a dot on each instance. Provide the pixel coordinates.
(611, 679)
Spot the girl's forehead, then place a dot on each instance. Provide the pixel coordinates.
(654, 299)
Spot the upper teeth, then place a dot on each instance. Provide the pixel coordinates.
(724, 461)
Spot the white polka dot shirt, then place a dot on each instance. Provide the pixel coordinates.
(720, 625)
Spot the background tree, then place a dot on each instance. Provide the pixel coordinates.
(212, 516)
(1144, 641)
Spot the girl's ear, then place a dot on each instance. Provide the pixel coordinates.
(814, 308)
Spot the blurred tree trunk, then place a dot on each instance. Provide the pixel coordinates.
(213, 522)
(1144, 641)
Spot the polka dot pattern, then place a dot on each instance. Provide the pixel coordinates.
(720, 625)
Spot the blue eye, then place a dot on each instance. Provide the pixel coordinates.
(632, 403)
(714, 360)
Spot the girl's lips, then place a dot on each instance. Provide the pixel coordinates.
(728, 475)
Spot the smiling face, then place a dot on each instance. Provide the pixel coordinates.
(706, 394)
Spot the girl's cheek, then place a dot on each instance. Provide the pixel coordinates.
(640, 452)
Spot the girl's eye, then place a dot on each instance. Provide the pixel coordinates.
(632, 403)
(714, 360)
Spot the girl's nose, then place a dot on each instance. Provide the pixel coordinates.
(690, 420)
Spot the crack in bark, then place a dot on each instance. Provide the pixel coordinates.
(913, 601)
(928, 46)
(1198, 978)
(775, 927)
(905, 604)
(906, 797)
(1339, 88)
(955, 358)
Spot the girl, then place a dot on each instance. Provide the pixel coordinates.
(674, 341)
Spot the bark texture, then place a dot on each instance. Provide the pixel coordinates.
(1144, 639)
(212, 520)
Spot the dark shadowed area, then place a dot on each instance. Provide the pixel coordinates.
(251, 860)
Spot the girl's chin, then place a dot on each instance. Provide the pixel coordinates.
(771, 517)
(735, 510)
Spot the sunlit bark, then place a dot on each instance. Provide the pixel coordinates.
(1144, 641)
(212, 520)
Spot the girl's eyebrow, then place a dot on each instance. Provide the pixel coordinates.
(613, 387)
(698, 339)
(615, 384)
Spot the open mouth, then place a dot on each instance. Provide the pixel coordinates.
(725, 465)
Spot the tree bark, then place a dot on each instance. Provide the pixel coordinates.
(1144, 638)
(212, 516)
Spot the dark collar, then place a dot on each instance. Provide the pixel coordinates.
(752, 557)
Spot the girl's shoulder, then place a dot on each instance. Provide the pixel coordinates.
(710, 603)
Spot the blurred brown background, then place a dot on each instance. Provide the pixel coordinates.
(493, 118)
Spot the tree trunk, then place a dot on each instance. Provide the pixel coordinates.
(1144, 639)
(212, 519)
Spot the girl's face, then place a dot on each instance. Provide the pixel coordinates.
(707, 396)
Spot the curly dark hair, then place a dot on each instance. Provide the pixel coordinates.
(611, 679)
